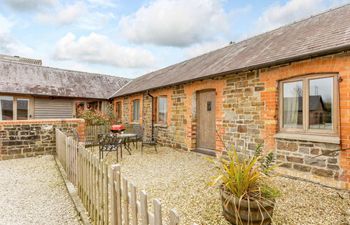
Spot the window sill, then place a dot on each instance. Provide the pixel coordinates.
(161, 125)
(309, 137)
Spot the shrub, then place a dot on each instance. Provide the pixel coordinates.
(93, 117)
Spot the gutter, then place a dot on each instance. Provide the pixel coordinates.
(326, 52)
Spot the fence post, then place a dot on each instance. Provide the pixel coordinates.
(174, 218)
(115, 196)
(126, 201)
(133, 204)
(157, 207)
(106, 205)
(144, 208)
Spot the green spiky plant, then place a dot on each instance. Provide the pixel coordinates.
(246, 178)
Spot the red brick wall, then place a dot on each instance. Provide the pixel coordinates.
(26, 138)
(247, 114)
(333, 64)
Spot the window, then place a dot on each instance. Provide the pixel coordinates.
(6, 108)
(136, 110)
(13, 108)
(309, 104)
(162, 109)
(22, 109)
(118, 111)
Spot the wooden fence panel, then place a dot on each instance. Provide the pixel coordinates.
(108, 197)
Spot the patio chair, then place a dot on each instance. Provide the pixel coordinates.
(135, 129)
(138, 130)
(149, 141)
(108, 143)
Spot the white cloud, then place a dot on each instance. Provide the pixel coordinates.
(175, 22)
(8, 44)
(99, 49)
(63, 14)
(78, 14)
(28, 5)
(293, 10)
(202, 48)
(104, 3)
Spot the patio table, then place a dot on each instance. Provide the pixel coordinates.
(126, 140)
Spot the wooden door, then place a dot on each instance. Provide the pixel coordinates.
(206, 120)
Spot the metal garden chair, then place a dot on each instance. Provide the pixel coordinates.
(149, 141)
(109, 143)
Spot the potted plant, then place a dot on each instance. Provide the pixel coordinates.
(248, 198)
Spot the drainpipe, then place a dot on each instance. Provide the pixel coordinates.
(152, 115)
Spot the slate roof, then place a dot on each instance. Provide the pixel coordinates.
(21, 78)
(322, 34)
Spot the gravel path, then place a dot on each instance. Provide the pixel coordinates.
(33, 192)
(179, 179)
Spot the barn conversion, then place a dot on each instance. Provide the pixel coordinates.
(287, 89)
(29, 90)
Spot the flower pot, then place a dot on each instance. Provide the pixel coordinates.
(244, 212)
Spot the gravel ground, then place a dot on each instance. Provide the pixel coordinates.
(33, 192)
(180, 180)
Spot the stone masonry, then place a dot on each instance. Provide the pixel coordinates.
(247, 112)
(319, 159)
(26, 138)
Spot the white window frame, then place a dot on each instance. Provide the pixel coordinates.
(305, 129)
(133, 119)
(14, 106)
(166, 109)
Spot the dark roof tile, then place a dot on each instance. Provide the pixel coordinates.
(325, 33)
(30, 79)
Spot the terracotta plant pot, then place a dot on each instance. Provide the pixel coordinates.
(249, 213)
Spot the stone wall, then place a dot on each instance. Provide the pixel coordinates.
(28, 138)
(319, 159)
(333, 64)
(247, 112)
(242, 106)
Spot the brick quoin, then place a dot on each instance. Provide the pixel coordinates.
(339, 64)
(247, 105)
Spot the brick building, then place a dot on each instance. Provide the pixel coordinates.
(287, 89)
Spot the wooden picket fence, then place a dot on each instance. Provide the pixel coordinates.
(92, 132)
(107, 196)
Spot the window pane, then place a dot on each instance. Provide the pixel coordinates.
(119, 110)
(6, 108)
(162, 109)
(22, 109)
(136, 110)
(293, 105)
(321, 103)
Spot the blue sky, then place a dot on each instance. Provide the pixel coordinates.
(131, 38)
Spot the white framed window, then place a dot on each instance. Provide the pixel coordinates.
(162, 109)
(14, 108)
(136, 110)
(309, 104)
(22, 109)
(6, 108)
